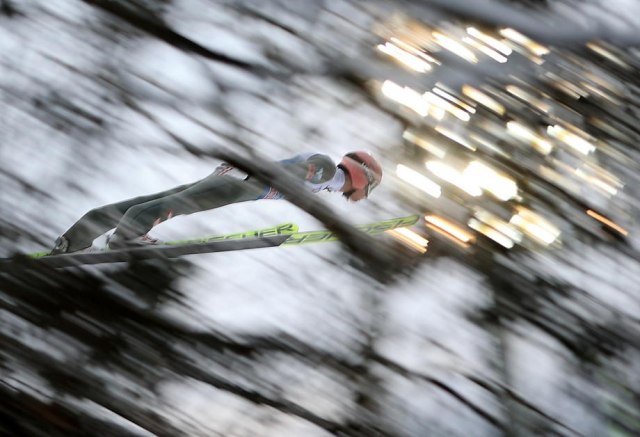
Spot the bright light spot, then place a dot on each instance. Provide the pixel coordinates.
(517, 37)
(567, 87)
(443, 104)
(605, 83)
(559, 179)
(484, 142)
(493, 234)
(416, 50)
(437, 112)
(490, 41)
(569, 138)
(536, 227)
(448, 229)
(418, 180)
(486, 50)
(527, 97)
(483, 99)
(498, 224)
(411, 60)
(406, 96)
(442, 93)
(594, 175)
(525, 133)
(600, 178)
(455, 47)
(423, 104)
(455, 137)
(597, 91)
(596, 182)
(451, 175)
(421, 142)
(501, 186)
(410, 238)
(606, 221)
(599, 49)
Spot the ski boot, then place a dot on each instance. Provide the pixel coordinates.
(115, 241)
(60, 246)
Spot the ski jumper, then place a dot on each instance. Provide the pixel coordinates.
(226, 185)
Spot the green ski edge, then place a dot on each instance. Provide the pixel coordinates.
(272, 231)
(322, 236)
(296, 238)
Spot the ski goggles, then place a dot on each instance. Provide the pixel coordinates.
(371, 178)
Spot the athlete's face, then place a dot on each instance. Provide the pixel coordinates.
(355, 195)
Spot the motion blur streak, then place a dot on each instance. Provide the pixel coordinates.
(521, 131)
(455, 47)
(515, 36)
(451, 175)
(492, 233)
(607, 222)
(449, 229)
(501, 186)
(571, 139)
(410, 59)
(406, 96)
(411, 136)
(491, 41)
(535, 225)
(410, 239)
(483, 99)
(418, 180)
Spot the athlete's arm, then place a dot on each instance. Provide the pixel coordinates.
(316, 168)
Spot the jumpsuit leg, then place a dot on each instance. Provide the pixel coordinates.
(212, 192)
(104, 218)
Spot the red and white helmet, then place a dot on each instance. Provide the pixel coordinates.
(363, 169)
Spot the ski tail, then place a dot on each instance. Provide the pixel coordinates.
(145, 252)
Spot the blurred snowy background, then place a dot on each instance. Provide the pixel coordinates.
(509, 126)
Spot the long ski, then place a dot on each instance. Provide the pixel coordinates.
(285, 234)
(145, 252)
(298, 238)
(271, 231)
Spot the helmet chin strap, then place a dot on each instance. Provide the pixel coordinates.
(347, 185)
(342, 175)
